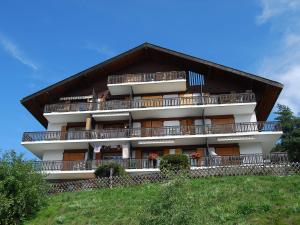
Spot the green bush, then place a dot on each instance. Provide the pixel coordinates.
(174, 162)
(104, 170)
(22, 190)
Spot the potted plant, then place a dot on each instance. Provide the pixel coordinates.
(195, 156)
(153, 157)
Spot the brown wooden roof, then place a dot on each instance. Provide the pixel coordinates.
(35, 102)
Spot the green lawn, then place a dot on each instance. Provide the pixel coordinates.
(224, 200)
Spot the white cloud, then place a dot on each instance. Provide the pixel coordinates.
(283, 63)
(16, 53)
(273, 8)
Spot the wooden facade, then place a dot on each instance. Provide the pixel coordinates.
(148, 58)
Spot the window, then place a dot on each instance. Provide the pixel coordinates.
(171, 100)
(171, 123)
(172, 127)
(172, 151)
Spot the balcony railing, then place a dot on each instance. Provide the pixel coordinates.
(151, 132)
(249, 159)
(146, 103)
(146, 77)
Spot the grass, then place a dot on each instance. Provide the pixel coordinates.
(224, 200)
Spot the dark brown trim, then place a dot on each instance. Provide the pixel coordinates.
(75, 124)
(75, 151)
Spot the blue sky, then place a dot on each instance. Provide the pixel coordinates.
(42, 42)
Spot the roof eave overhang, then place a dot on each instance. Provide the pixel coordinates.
(38, 114)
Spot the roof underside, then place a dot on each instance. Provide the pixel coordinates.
(35, 103)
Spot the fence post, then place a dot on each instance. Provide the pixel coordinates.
(286, 168)
(111, 177)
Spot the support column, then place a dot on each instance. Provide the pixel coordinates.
(130, 120)
(88, 123)
(125, 151)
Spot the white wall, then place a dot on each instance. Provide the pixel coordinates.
(171, 123)
(240, 118)
(250, 148)
(55, 126)
(125, 151)
(53, 155)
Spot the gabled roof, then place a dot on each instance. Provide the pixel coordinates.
(35, 102)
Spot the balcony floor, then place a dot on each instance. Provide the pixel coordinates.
(147, 87)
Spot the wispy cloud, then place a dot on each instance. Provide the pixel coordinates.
(283, 62)
(273, 8)
(103, 50)
(16, 53)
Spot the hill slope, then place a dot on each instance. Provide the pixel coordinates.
(224, 200)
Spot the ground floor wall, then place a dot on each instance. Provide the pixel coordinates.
(53, 155)
(251, 148)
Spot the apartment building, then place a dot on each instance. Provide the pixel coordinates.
(145, 103)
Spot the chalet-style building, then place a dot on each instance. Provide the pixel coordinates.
(145, 103)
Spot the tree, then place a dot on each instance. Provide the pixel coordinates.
(104, 170)
(22, 189)
(290, 139)
(174, 162)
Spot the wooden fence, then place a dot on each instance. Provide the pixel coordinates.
(276, 169)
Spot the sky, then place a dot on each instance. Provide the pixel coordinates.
(43, 42)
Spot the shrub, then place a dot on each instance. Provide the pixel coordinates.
(104, 170)
(174, 162)
(173, 205)
(22, 190)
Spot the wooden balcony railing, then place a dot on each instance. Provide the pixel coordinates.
(146, 103)
(249, 159)
(146, 77)
(151, 132)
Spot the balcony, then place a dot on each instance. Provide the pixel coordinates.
(263, 132)
(84, 169)
(151, 132)
(224, 104)
(125, 84)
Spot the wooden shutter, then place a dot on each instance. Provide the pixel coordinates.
(152, 124)
(200, 151)
(63, 132)
(157, 126)
(157, 123)
(98, 156)
(228, 120)
(227, 151)
(187, 126)
(166, 151)
(219, 122)
(178, 151)
(74, 155)
(138, 157)
(146, 124)
(138, 154)
(186, 99)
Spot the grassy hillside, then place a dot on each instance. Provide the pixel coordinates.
(225, 200)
